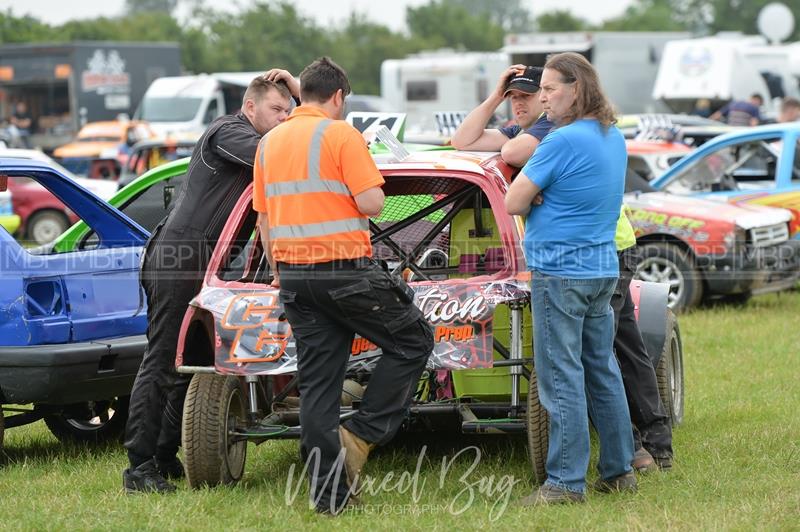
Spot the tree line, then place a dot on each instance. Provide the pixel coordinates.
(268, 33)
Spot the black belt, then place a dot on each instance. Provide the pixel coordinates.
(342, 264)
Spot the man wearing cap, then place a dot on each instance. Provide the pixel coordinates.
(516, 143)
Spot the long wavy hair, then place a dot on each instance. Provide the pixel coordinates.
(590, 100)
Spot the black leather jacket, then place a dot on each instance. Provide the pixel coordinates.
(220, 170)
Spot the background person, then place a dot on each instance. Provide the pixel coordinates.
(790, 110)
(516, 143)
(320, 186)
(652, 429)
(22, 120)
(174, 264)
(741, 113)
(569, 246)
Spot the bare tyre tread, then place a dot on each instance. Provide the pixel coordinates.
(206, 413)
(538, 432)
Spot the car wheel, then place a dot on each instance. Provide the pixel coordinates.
(92, 422)
(667, 263)
(2, 427)
(538, 432)
(214, 406)
(45, 226)
(669, 372)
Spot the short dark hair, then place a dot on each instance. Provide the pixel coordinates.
(321, 79)
(757, 96)
(260, 86)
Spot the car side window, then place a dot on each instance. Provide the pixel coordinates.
(147, 208)
(742, 166)
(211, 112)
(152, 205)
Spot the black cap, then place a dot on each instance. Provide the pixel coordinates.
(528, 81)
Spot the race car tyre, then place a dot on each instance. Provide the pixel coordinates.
(667, 263)
(214, 405)
(538, 432)
(2, 428)
(669, 372)
(93, 422)
(44, 226)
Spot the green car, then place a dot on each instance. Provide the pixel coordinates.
(149, 198)
(146, 200)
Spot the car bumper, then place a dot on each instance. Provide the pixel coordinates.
(70, 373)
(758, 270)
(10, 222)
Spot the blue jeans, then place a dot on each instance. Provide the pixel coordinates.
(577, 375)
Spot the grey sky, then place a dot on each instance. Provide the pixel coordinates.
(390, 13)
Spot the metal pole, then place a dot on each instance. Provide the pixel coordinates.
(252, 384)
(516, 353)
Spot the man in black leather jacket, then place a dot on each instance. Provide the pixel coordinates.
(173, 267)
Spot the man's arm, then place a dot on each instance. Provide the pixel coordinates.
(518, 150)
(521, 195)
(471, 134)
(237, 143)
(263, 230)
(370, 202)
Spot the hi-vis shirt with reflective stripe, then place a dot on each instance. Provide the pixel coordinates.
(309, 169)
(314, 183)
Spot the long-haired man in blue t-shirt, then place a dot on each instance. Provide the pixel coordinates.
(570, 249)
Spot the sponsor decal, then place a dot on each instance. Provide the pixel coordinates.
(105, 74)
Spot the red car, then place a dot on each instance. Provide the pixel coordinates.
(43, 216)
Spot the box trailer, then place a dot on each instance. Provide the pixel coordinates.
(66, 85)
(427, 83)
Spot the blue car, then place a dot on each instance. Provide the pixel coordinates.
(73, 323)
(759, 165)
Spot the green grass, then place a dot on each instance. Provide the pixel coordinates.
(737, 461)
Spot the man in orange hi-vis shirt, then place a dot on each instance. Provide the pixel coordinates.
(315, 188)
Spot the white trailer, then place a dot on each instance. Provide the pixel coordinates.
(427, 83)
(728, 66)
(626, 62)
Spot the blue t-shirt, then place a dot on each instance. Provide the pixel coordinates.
(539, 129)
(740, 113)
(581, 171)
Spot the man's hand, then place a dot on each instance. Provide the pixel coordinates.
(513, 70)
(278, 74)
(538, 199)
(276, 280)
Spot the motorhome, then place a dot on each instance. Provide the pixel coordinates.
(183, 106)
(726, 67)
(427, 83)
(625, 61)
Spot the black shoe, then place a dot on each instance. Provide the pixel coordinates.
(664, 463)
(145, 478)
(171, 469)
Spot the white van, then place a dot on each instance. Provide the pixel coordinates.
(183, 106)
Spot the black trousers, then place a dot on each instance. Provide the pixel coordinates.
(326, 305)
(652, 428)
(171, 276)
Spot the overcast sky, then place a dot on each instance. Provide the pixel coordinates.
(390, 13)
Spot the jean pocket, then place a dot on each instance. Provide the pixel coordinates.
(355, 299)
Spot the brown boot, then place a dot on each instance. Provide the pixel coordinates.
(356, 454)
(643, 461)
(624, 482)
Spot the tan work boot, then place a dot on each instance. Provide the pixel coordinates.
(643, 461)
(356, 454)
(624, 482)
